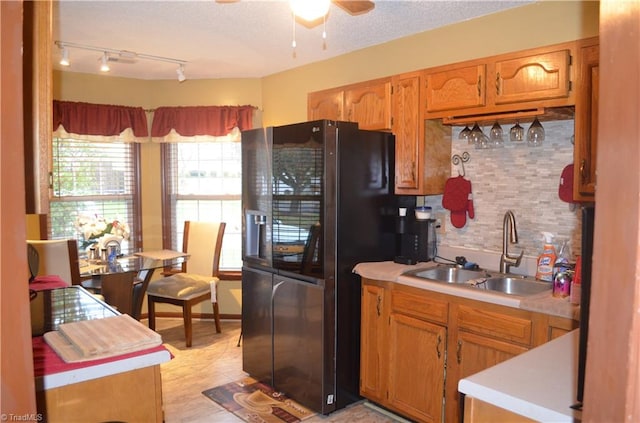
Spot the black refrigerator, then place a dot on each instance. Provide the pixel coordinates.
(317, 199)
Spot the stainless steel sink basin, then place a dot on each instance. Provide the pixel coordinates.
(450, 274)
(483, 280)
(514, 286)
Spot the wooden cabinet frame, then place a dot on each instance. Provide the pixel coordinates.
(428, 341)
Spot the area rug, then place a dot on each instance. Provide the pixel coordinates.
(253, 401)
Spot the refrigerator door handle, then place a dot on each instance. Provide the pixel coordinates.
(274, 289)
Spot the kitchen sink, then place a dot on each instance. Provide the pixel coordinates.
(514, 285)
(450, 274)
(483, 280)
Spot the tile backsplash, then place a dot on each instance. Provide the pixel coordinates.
(518, 178)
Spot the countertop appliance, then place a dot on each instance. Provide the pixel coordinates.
(317, 199)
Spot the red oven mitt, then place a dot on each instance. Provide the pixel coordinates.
(565, 189)
(458, 199)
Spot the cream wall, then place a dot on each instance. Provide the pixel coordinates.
(282, 97)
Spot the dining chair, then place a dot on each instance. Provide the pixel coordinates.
(199, 277)
(55, 257)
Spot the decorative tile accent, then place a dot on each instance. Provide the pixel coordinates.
(519, 178)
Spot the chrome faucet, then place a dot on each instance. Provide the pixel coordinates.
(509, 235)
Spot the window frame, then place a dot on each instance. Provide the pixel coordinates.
(169, 223)
(135, 221)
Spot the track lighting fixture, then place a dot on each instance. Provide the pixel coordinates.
(120, 56)
(104, 65)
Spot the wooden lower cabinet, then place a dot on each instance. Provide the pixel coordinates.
(474, 353)
(373, 342)
(417, 344)
(416, 367)
(133, 396)
(476, 411)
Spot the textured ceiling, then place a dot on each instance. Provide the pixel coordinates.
(241, 39)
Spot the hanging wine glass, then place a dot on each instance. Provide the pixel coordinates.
(535, 134)
(516, 133)
(496, 135)
(464, 134)
(475, 135)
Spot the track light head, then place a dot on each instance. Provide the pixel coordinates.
(180, 72)
(64, 60)
(104, 66)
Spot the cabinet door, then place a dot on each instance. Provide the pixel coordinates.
(325, 105)
(586, 123)
(372, 343)
(369, 106)
(473, 354)
(416, 367)
(537, 77)
(409, 133)
(455, 89)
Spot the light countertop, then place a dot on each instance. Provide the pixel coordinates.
(110, 368)
(539, 384)
(393, 272)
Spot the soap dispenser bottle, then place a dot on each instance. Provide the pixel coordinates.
(547, 259)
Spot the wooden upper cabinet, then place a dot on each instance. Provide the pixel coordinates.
(369, 105)
(529, 78)
(586, 123)
(456, 88)
(423, 148)
(409, 133)
(504, 85)
(327, 104)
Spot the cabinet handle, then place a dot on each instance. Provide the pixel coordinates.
(479, 85)
(583, 168)
(459, 352)
(438, 346)
(378, 305)
(498, 83)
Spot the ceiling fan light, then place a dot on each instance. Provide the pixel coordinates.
(310, 10)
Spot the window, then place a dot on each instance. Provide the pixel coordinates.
(203, 181)
(94, 178)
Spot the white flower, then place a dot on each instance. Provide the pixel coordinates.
(93, 226)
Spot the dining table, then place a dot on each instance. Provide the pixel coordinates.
(123, 282)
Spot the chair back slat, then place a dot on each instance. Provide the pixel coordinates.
(203, 243)
(58, 257)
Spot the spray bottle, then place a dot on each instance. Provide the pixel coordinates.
(563, 271)
(547, 259)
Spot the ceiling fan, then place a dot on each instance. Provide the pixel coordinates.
(352, 7)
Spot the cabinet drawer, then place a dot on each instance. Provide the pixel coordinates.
(420, 306)
(495, 324)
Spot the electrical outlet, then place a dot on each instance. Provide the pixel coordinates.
(440, 223)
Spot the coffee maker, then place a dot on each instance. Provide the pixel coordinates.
(415, 238)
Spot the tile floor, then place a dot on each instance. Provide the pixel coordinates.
(213, 360)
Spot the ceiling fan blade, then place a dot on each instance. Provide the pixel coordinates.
(355, 7)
